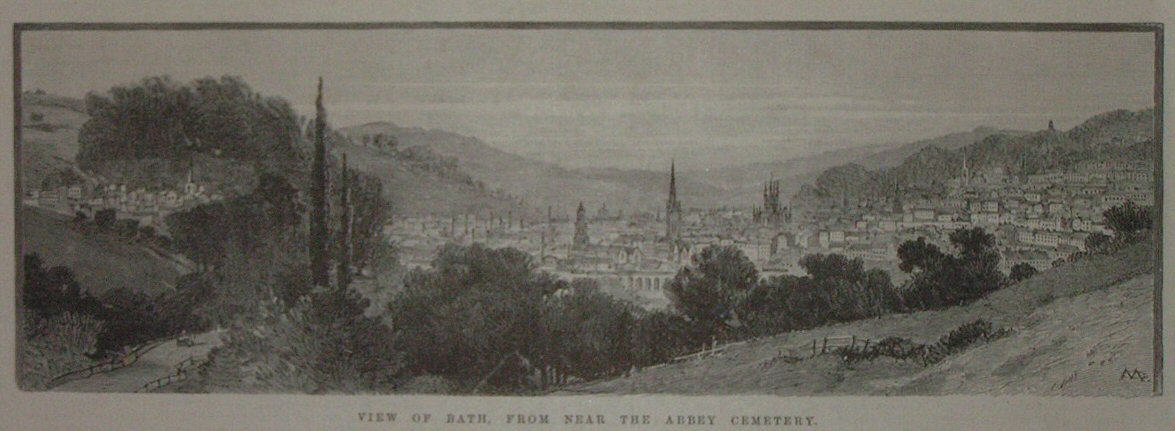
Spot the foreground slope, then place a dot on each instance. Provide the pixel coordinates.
(1074, 346)
(1092, 318)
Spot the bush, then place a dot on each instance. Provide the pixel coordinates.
(1022, 271)
(903, 349)
(1129, 218)
(56, 345)
(322, 344)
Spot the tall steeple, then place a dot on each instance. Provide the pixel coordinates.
(672, 206)
(672, 180)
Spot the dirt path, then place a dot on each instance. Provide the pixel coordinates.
(156, 363)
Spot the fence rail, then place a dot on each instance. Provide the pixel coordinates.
(107, 365)
(827, 344)
(182, 369)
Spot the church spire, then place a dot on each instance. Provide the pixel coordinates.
(672, 180)
(672, 206)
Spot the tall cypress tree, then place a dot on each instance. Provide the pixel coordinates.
(346, 219)
(319, 257)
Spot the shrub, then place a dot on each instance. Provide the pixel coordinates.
(1129, 218)
(320, 345)
(953, 342)
(55, 346)
(1021, 271)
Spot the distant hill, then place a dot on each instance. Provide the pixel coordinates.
(539, 183)
(412, 190)
(1113, 135)
(100, 263)
(744, 183)
(895, 156)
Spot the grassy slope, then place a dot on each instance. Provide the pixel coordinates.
(49, 149)
(1103, 298)
(1074, 346)
(99, 263)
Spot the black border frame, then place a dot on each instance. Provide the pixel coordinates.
(1085, 27)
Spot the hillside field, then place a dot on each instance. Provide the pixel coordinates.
(99, 263)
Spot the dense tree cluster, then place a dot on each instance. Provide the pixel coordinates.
(723, 298)
(943, 280)
(160, 118)
(292, 328)
(486, 320)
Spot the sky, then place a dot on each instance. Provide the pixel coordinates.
(637, 98)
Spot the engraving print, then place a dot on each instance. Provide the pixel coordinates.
(574, 209)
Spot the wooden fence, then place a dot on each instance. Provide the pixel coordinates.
(107, 365)
(827, 344)
(182, 370)
(819, 346)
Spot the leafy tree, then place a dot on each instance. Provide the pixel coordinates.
(956, 279)
(1022, 271)
(592, 331)
(836, 289)
(160, 118)
(1129, 218)
(51, 291)
(473, 309)
(707, 291)
(370, 211)
(1097, 242)
(322, 344)
(104, 219)
(131, 317)
(660, 335)
(200, 233)
(918, 255)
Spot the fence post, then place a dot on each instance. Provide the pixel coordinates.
(853, 344)
(813, 347)
(824, 348)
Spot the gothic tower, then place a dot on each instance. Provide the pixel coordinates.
(672, 207)
(772, 212)
(580, 241)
